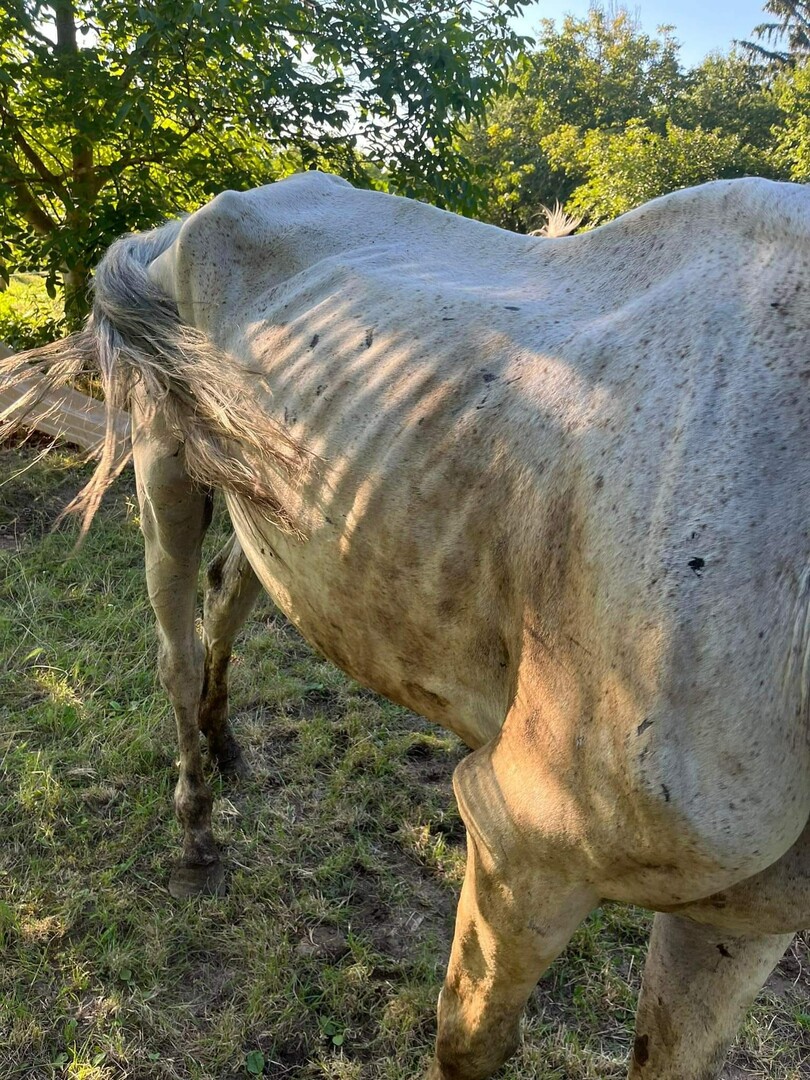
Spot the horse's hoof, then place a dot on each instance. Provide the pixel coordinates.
(234, 767)
(226, 755)
(188, 881)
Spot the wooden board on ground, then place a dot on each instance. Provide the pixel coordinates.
(70, 415)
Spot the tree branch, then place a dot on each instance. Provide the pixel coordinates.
(39, 166)
(28, 25)
(126, 161)
(31, 209)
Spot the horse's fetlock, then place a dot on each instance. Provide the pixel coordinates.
(459, 1060)
(467, 1052)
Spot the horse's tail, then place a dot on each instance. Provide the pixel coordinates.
(135, 335)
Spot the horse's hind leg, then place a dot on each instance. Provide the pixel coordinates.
(231, 591)
(698, 983)
(174, 517)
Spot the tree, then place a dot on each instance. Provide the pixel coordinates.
(792, 25)
(113, 115)
(791, 91)
(597, 72)
(726, 93)
(719, 125)
(622, 169)
(602, 116)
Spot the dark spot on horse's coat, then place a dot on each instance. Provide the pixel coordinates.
(214, 573)
(319, 389)
(665, 790)
(579, 644)
(448, 318)
(642, 727)
(315, 339)
(420, 694)
(599, 483)
(724, 951)
(641, 1050)
(696, 565)
(369, 337)
(511, 307)
(472, 955)
(488, 376)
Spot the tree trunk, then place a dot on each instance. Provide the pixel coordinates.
(76, 277)
(83, 187)
(76, 281)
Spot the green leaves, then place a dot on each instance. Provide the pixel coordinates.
(254, 1063)
(332, 1030)
(142, 110)
(792, 134)
(625, 168)
(603, 117)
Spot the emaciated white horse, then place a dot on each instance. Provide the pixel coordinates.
(552, 494)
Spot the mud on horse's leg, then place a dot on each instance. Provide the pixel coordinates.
(698, 983)
(174, 517)
(231, 591)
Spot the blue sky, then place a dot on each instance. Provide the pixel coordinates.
(700, 25)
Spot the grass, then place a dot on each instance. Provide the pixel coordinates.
(28, 316)
(345, 853)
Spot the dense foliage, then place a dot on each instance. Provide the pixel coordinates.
(113, 115)
(602, 117)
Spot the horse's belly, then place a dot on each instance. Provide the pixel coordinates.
(382, 633)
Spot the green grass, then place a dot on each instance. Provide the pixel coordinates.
(28, 316)
(345, 854)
